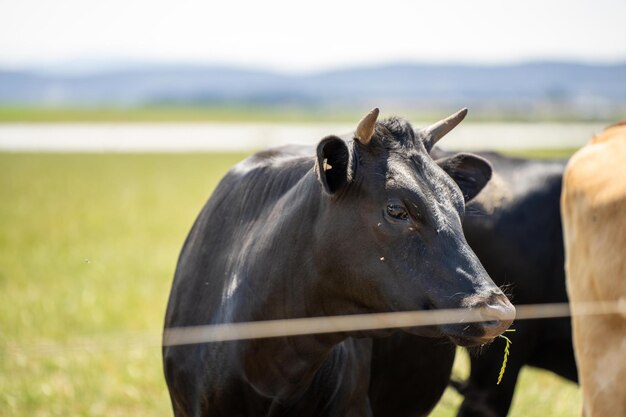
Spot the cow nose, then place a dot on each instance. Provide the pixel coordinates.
(498, 314)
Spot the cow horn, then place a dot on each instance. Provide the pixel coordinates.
(365, 128)
(434, 132)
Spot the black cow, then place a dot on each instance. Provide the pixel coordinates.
(517, 237)
(520, 243)
(371, 224)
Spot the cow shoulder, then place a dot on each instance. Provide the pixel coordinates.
(595, 175)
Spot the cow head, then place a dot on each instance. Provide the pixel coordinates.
(389, 236)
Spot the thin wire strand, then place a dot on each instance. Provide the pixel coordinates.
(360, 322)
(301, 326)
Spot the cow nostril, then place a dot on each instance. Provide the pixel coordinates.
(498, 314)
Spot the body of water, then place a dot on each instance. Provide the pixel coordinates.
(186, 137)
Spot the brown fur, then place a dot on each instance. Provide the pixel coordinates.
(593, 206)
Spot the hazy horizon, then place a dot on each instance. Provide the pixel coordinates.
(87, 65)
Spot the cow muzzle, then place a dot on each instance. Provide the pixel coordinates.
(496, 313)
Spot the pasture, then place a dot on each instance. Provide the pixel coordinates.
(88, 246)
(258, 113)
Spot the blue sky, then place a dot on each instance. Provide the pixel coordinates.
(294, 36)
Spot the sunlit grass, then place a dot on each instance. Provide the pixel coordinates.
(277, 113)
(169, 114)
(558, 153)
(88, 246)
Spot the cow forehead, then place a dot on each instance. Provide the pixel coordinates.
(419, 177)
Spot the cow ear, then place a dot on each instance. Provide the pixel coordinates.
(470, 172)
(333, 158)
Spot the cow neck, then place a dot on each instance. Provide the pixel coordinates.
(284, 367)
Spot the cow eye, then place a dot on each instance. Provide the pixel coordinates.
(397, 212)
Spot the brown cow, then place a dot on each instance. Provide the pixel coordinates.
(593, 206)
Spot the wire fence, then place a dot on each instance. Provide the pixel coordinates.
(301, 326)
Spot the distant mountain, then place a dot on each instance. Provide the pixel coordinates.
(516, 86)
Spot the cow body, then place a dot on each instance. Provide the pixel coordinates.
(517, 236)
(370, 224)
(409, 374)
(519, 241)
(282, 375)
(593, 206)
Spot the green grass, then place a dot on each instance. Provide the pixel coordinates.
(174, 114)
(249, 113)
(88, 245)
(558, 153)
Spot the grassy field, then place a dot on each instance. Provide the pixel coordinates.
(257, 113)
(88, 245)
(169, 114)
